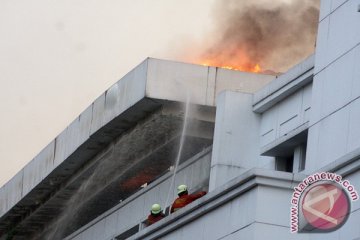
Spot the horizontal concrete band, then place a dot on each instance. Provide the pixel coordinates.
(284, 85)
(345, 165)
(247, 181)
(273, 148)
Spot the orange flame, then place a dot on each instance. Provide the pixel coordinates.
(230, 58)
(255, 68)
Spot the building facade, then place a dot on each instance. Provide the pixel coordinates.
(249, 140)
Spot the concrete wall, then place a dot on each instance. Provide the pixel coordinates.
(285, 116)
(335, 118)
(255, 205)
(247, 217)
(284, 85)
(174, 80)
(236, 138)
(194, 173)
(240, 134)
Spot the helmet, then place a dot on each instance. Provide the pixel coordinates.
(182, 188)
(155, 208)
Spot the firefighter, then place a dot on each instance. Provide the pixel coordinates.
(184, 198)
(155, 215)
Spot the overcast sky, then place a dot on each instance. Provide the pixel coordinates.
(57, 56)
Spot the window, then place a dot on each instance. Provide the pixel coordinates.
(284, 164)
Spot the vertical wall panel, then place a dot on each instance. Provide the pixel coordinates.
(322, 41)
(355, 93)
(38, 168)
(289, 113)
(333, 134)
(243, 211)
(110, 225)
(268, 126)
(354, 127)
(195, 230)
(211, 83)
(344, 31)
(98, 114)
(85, 124)
(325, 8)
(337, 84)
(306, 105)
(73, 136)
(213, 228)
(317, 96)
(112, 102)
(3, 207)
(279, 199)
(172, 80)
(13, 190)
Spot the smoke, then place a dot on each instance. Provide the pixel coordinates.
(274, 34)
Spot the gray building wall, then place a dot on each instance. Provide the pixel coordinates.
(236, 138)
(285, 116)
(334, 121)
(243, 202)
(330, 108)
(253, 206)
(248, 125)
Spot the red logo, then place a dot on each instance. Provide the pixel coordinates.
(325, 207)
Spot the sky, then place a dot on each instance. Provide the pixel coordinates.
(58, 56)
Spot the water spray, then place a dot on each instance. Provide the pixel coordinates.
(178, 157)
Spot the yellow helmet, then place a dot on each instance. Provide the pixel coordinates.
(182, 188)
(155, 208)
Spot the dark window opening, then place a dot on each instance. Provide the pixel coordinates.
(300, 153)
(290, 154)
(284, 164)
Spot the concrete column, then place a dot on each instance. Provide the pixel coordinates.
(236, 138)
(299, 158)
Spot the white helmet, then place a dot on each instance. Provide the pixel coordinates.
(155, 208)
(182, 188)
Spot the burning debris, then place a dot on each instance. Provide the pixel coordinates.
(256, 35)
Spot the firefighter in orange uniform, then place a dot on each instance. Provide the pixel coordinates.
(184, 198)
(155, 214)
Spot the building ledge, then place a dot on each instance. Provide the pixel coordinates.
(286, 143)
(284, 85)
(345, 165)
(239, 185)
